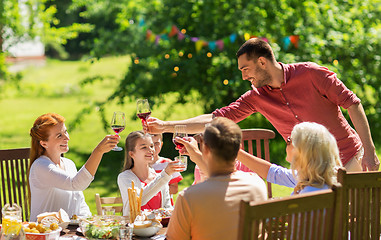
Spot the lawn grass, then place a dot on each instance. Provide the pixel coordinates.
(56, 88)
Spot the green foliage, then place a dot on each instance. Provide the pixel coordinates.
(20, 21)
(22, 105)
(343, 35)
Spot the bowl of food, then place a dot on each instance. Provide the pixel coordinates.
(60, 218)
(98, 227)
(37, 231)
(146, 228)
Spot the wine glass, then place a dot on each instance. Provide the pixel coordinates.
(180, 131)
(118, 123)
(143, 110)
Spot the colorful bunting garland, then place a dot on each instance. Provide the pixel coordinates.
(172, 31)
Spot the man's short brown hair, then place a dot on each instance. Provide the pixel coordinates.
(255, 48)
(223, 137)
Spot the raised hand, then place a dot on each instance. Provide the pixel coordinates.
(153, 126)
(108, 143)
(190, 147)
(173, 167)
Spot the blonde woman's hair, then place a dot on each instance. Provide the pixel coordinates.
(316, 156)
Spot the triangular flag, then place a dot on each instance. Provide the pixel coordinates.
(226, 40)
(180, 36)
(233, 37)
(194, 39)
(168, 29)
(153, 37)
(141, 23)
(265, 39)
(294, 40)
(212, 45)
(199, 44)
(174, 31)
(220, 44)
(246, 36)
(148, 34)
(286, 42)
(164, 37)
(157, 39)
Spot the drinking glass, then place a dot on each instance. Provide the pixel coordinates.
(180, 131)
(126, 231)
(108, 211)
(183, 161)
(143, 110)
(118, 123)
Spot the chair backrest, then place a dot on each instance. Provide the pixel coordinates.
(361, 205)
(304, 216)
(115, 203)
(256, 142)
(13, 173)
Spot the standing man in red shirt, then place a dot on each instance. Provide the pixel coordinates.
(287, 94)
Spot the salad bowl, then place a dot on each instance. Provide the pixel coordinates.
(100, 228)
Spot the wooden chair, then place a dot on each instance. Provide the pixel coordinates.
(361, 205)
(256, 142)
(305, 216)
(13, 173)
(115, 203)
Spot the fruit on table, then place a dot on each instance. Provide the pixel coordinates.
(11, 226)
(39, 228)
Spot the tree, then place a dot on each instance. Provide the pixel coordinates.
(22, 20)
(340, 34)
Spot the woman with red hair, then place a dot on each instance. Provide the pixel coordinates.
(54, 180)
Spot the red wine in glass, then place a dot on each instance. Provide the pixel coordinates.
(117, 129)
(118, 123)
(178, 145)
(180, 131)
(144, 116)
(143, 111)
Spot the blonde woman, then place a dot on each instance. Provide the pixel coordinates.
(314, 156)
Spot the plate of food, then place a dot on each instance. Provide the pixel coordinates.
(61, 218)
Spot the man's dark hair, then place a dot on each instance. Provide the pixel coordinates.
(223, 137)
(255, 48)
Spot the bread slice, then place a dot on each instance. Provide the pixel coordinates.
(63, 216)
(46, 214)
(48, 220)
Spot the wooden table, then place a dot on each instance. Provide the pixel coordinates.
(71, 233)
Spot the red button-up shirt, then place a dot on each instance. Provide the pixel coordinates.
(309, 93)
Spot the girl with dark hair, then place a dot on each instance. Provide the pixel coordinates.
(139, 154)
